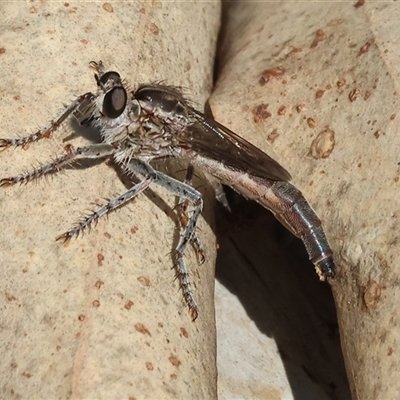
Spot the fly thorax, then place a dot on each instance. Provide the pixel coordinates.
(164, 104)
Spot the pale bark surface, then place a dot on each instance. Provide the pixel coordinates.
(103, 316)
(316, 86)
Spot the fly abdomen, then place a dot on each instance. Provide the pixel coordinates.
(285, 201)
(293, 210)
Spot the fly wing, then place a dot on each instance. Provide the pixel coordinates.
(213, 140)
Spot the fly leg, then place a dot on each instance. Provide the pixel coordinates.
(48, 130)
(182, 206)
(87, 221)
(187, 192)
(92, 151)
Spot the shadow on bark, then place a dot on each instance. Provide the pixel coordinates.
(268, 269)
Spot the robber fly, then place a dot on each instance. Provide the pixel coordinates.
(156, 121)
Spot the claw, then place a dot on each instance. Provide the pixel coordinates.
(64, 237)
(5, 144)
(5, 182)
(194, 313)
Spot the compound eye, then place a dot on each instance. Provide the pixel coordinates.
(114, 102)
(115, 76)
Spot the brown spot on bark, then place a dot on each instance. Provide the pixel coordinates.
(378, 133)
(149, 366)
(359, 3)
(323, 144)
(270, 73)
(100, 259)
(174, 361)
(364, 49)
(311, 122)
(319, 37)
(372, 294)
(144, 281)
(341, 82)
(154, 29)
(272, 136)
(142, 329)
(108, 7)
(96, 304)
(10, 297)
(128, 305)
(260, 113)
(184, 332)
(99, 284)
(282, 110)
(353, 95)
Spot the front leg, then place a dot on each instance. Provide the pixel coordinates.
(91, 151)
(48, 130)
